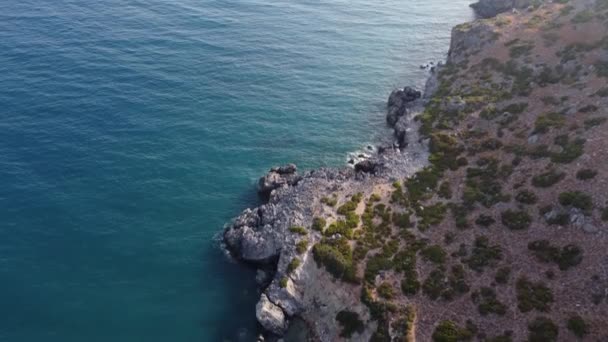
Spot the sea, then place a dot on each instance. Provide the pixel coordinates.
(131, 131)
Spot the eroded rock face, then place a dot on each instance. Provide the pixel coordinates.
(491, 8)
(270, 316)
(397, 103)
(278, 177)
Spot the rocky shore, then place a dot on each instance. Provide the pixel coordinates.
(264, 236)
(455, 231)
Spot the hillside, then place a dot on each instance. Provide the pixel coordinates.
(501, 236)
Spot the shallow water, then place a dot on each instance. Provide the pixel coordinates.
(131, 131)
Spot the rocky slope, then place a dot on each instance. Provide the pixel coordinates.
(498, 233)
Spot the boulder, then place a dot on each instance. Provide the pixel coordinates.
(366, 166)
(277, 177)
(270, 316)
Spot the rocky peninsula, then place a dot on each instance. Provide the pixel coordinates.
(485, 219)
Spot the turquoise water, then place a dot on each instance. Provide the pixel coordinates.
(131, 131)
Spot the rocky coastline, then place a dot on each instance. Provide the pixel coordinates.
(332, 244)
(261, 236)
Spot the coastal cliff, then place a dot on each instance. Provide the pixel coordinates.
(486, 218)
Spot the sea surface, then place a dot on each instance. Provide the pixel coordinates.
(131, 131)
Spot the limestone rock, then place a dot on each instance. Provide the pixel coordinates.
(278, 177)
(270, 316)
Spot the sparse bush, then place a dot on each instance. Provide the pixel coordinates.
(301, 246)
(350, 323)
(293, 265)
(385, 290)
(547, 179)
(445, 190)
(483, 254)
(487, 302)
(526, 197)
(569, 256)
(577, 325)
(576, 199)
(448, 331)
(570, 151)
(298, 230)
(485, 220)
(329, 201)
(585, 174)
(549, 120)
(533, 295)
(516, 219)
(592, 122)
(582, 17)
(319, 223)
(434, 253)
(283, 282)
(502, 275)
(542, 329)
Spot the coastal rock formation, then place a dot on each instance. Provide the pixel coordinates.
(278, 177)
(398, 103)
(490, 8)
(498, 200)
(270, 316)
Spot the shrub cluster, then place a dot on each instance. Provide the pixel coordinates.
(487, 302)
(516, 219)
(542, 329)
(533, 295)
(350, 323)
(566, 257)
(448, 331)
(483, 254)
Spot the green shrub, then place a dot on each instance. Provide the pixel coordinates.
(526, 197)
(604, 214)
(283, 282)
(385, 290)
(483, 254)
(487, 302)
(350, 323)
(592, 122)
(401, 220)
(485, 220)
(301, 246)
(351, 205)
(375, 265)
(549, 120)
(502, 275)
(570, 151)
(421, 183)
(576, 199)
(336, 257)
(518, 50)
(330, 201)
(448, 331)
(410, 285)
(293, 265)
(533, 295)
(585, 174)
(601, 68)
(577, 325)
(569, 256)
(547, 179)
(434, 253)
(542, 329)
(298, 230)
(430, 215)
(516, 219)
(445, 190)
(582, 17)
(319, 223)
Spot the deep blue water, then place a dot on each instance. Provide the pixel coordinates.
(131, 131)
